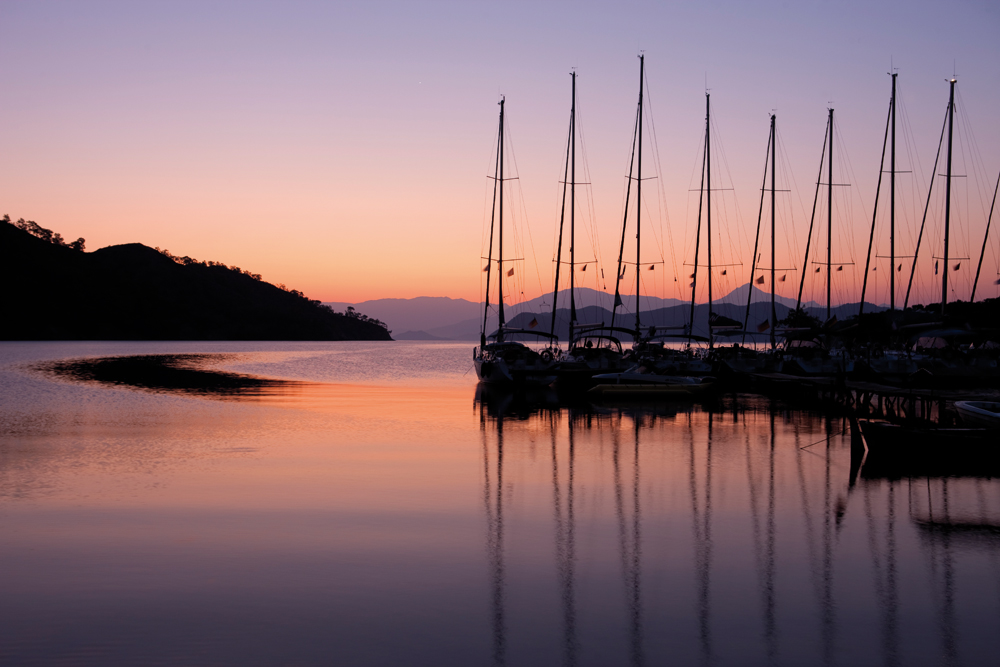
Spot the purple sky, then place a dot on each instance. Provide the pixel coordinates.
(343, 149)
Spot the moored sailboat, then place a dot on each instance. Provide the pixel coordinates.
(503, 361)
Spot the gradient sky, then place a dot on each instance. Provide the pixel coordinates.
(342, 149)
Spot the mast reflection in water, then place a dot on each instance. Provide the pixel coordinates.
(737, 532)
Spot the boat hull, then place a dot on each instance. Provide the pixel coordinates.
(981, 414)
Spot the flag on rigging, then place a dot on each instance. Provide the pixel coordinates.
(760, 280)
(783, 277)
(486, 268)
(899, 268)
(723, 272)
(958, 265)
(618, 300)
(533, 323)
(510, 272)
(935, 268)
(997, 282)
(764, 326)
(691, 276)
(840, 268)
(817, 269)
(583, 268)
(651, 266)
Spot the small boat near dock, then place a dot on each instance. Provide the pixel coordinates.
(982, 414)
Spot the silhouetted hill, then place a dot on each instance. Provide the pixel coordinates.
(133, 292)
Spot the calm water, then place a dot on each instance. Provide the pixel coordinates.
(376, 510)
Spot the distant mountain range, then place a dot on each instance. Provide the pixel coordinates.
(443, 318)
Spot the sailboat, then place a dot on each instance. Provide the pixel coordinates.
(591, 350)
(654, 364)
(498, 360)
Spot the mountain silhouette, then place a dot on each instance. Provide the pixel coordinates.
(134, 292)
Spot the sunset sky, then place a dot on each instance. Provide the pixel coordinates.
(343, 148)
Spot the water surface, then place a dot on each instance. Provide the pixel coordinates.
(364, 504)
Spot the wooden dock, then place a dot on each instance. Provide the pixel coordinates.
(869, 399)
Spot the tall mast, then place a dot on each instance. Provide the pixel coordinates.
(947, 198)
(708, 202)
(502, 321)
(638, 199)
(562, 219)
(489, 257)
(829, 219)
(572, 213)
(892, 203)
(774, 322)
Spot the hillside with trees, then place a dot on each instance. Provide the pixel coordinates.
(55, 290)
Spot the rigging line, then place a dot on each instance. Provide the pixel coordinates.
(812, 218)
(592, 209)
(846, 236)
(979, 167)
(524, 210)
(986, 236)
(621, 249)
(791, 240)
(756, 243)
(661, 187)
(930, 189)
(871, 236)
(736, 208)
(826, 439)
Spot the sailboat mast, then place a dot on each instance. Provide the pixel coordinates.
(559, 244)
(638, 199)
(708, 208)
(829, 220)
(572, 214)
(892, 203)
(947, 198)
(774, 322)
(502, 321)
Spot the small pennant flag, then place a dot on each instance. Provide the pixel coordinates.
(602, 274)
(935, 268)
(840, 268)
(958, 265)
(510, 272)
(760, 280)
(691, 276)
(723, 272)
(997, 282)
(675, 278)
(618, 300)
(533, 323)
(764, 326)
(817, 269)
(692, 284)
(486, 268)
(783, 278)
(583, 268)
(652, 266)
(899, 268)
(622, 275)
